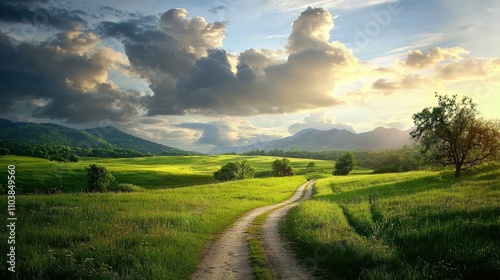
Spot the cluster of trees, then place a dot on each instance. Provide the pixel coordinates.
(63, 152)
(243, 170)
(396, 160)
(232, 171)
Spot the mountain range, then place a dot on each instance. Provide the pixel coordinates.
(107, 138)
(335, 139)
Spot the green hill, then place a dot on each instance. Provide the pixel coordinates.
(110, 141)
(124, 140)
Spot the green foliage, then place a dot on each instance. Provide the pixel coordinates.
(72, 158)
(416, 225)
(406, 158)
(3, 152)
(98, 178)
(311, 165)
(235, 171)
(128, 188)
(345, 164)
(453, 134)
(282, 167)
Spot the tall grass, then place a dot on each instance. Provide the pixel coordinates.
(417, 225)
(154, 234)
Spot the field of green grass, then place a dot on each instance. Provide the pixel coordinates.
(155, 234)
(416, 225)
(35, 175)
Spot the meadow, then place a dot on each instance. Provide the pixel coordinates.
(155, 234)
(37, 175)
(415, 225)
(159, 231)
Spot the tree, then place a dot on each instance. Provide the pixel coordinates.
(98, 178)
(232, 171)
(311, 165)
(282, 167)
(345, 164)
(3, 152)
(246, 170)
(453, 134)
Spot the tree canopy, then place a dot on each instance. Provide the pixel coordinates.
(453, 134)
(232, 171)
(282, 167)
(98, 178)
(345, 164)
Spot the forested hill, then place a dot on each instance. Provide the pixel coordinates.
(121, 139)
(103, 141)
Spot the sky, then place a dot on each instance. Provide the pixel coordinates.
(202, 75)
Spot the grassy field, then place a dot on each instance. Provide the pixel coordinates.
(155, 234)
(416, 225)
(37, 175)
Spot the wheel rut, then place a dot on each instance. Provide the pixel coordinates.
(228, 257)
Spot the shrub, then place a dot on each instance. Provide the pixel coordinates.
(232, 171)
(282, 167)
(98, 178)
(345, 164)
(128, 188)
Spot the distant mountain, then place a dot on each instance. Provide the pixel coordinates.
(334, 139)
(121, 139)
(107, 138)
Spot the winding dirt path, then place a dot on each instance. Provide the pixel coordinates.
(228, 257)
(282, 262)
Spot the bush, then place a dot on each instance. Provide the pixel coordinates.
(98, 178)
(234, 171)
(282, 167)
(345, 164)
(128, 188)
(72, 158)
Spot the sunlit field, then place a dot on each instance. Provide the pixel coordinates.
(35, 175)
(416, 225)
(155, 234)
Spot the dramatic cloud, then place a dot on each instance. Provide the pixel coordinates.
(62, 83)
(32, 13)
(318, 121)
(188, 75)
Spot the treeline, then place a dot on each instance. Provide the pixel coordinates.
(396, 160)
(63, 152)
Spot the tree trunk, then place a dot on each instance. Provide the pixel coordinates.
(458, 167)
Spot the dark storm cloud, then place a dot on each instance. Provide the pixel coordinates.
(64, 84)
(66, 76)
(188, 75)
(26, 12)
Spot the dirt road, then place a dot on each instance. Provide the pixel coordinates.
(283, 264)
(228, 257)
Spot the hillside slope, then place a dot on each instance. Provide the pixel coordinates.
(335, 139)
(107, 138)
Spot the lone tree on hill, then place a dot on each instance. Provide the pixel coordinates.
(345, 164)
(232, 171)
(282, 167)
(98, 178)
(453, 134)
